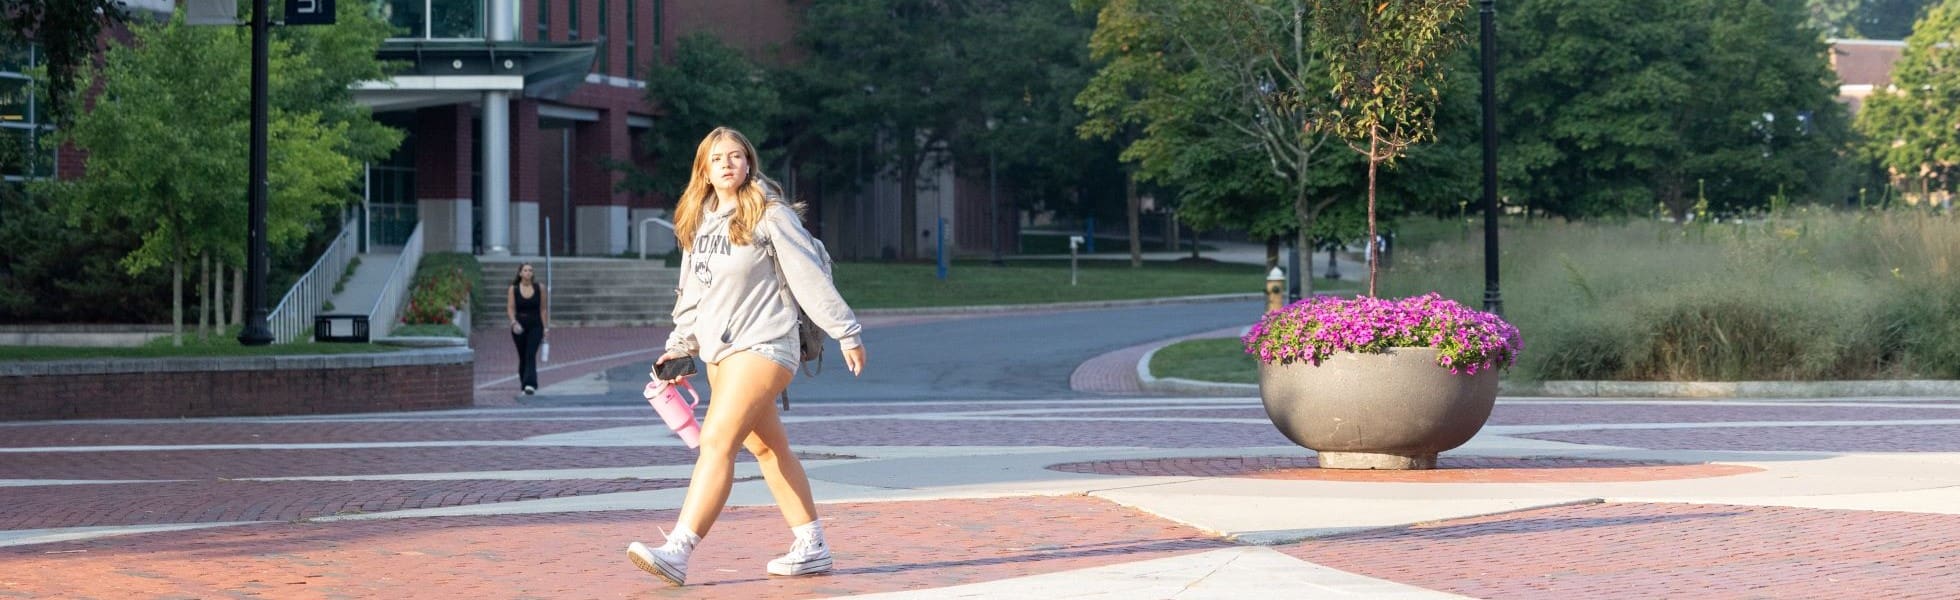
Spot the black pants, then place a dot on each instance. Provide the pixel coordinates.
(527, 349)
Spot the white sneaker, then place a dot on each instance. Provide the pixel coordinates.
(667, 563)
(805, 557)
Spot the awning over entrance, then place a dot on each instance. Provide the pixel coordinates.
(440, 72)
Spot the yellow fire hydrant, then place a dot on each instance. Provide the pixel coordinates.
(1275, 289)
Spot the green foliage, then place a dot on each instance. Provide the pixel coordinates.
(708, 85)
(1615, 107)
(437, 330)
(1910, 127)
(441, 286)
(895, 82)
(210, 347)
(1870, 19)
(52, 272)
(1212, 100)
(170, 127)
(905, 285)
(1387, 63)
(1801, 296)
(67, 31)
(1217, 359)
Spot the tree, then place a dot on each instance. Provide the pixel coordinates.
(1387, 63)
(1913, 128)
(709, 85)
(887, 73)
(1240, 70)
(166, 138)
(1870, 19)
(1634, 104)
(67, 31)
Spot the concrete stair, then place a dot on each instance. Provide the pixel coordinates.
(589, 292)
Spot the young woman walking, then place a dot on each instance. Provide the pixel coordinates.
(747, 266)
(524, 305)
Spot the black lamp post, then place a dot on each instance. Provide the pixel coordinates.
(1493, 300)
(256, 333)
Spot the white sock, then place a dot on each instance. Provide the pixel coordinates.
(682, 539)
(812, 531)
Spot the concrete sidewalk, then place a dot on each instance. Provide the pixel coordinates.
(1111, 496)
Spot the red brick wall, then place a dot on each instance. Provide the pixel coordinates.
(235, 393)
(443, 138)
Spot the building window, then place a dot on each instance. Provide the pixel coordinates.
(571, 20)
(435, 19)
(544, 20)
(632, 38)
(21, 126)
(659, 15)
(605, 41)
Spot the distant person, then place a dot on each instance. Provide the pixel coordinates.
(524, 305)
(744, 255)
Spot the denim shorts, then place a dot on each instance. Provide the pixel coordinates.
(785, 351)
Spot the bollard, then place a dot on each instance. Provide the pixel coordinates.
(1275, 289)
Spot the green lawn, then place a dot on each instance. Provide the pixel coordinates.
(1217, 359)
(904, 285)
(189, 350)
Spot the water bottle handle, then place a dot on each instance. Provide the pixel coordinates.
(690, 391)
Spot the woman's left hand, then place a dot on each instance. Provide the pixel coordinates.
(854, 359)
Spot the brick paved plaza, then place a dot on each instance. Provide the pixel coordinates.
(1106, 495)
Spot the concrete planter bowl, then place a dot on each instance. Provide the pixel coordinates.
(1395, 410)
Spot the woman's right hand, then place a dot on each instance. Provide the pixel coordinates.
(670, 355)
(517, 328)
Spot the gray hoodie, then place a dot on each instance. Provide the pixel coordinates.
(732, 297)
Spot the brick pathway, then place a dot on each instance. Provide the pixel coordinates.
(229, 500)
(1450, 469)
(880, 547)
(1662, 551)
(1869, 438)
(978, 522)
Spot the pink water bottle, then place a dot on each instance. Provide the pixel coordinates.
(676, 411)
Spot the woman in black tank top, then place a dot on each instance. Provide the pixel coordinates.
(524, 305)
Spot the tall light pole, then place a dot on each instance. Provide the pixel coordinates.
(256, 333)
(1487, 12)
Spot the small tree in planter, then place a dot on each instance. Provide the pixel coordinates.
(1370, 383)
(1386, 60)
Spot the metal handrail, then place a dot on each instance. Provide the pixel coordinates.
(296, 309)
(643, 232)
(387, 308)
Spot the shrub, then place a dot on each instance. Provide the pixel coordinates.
(1311, 330)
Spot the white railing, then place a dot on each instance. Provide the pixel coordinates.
(387, 307)
(295, 311)
(643, 232)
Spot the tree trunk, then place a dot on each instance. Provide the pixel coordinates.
(1374, 251)
(1304, 241)
(218, 295)
(203, 296)
(1272, 253)
(177, 303)
(238, 295)
(908, 196)
(1136, 218)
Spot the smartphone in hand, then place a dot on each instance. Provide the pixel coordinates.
(675, 368)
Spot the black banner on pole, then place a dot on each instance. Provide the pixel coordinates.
(309, 12)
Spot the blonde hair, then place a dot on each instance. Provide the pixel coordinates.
(752, 198)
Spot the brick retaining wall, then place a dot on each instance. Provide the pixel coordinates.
(421, 379)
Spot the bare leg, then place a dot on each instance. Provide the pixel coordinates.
(769, 442)
(744, 385)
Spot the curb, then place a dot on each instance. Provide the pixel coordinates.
(1699, 390)
(1011, 308)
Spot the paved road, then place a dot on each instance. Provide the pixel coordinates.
(1019, 356)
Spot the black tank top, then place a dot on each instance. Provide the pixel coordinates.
(528, 307)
